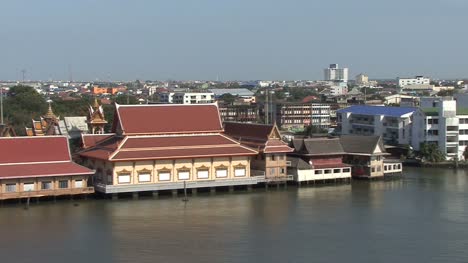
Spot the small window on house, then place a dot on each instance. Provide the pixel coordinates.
(336, 171)
(28, 186)
(46, 185)
(10, 188)
(328, 171)
(63, 184)
(373, 169)
(346, 170)
(272, 157)
(318, 171)
(79, 183)
(283, 171)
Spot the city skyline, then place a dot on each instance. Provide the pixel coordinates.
(231, 41)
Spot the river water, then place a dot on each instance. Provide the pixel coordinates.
(422, 217)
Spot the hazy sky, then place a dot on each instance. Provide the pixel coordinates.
(232, 39)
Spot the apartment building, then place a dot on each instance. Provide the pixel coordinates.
(297, 116)
(239, 113)
(335, 73)
(420, 80)
(186, 97)
(392, 123)
(444, 123)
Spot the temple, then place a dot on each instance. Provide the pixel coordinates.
(40, 166)
(162, 147)
(47, 125)
(96, 119)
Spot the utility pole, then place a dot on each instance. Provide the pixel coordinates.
(266, 106)
(1, 105)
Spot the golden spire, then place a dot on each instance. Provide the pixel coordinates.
(96, 104)
(50, 114)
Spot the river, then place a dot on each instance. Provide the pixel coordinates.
(422, 217)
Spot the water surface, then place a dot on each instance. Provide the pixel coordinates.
(422, 217)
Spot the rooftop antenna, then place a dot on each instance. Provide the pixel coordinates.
(70, 73)
(23, 73)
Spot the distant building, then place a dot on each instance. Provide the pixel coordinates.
(334, 73)
(402, 82)
(239, 113)
(186, 97)
(297, 116)
(40, 166)
(362, 79)
(97, 90)
(392, 123)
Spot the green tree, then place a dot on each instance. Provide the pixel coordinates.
(22, 104)
(431, 152)
(126, 99)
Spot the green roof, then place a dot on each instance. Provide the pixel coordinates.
(431, 111)
(462, 111)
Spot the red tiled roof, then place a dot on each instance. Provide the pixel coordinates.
(330, 165)
(43, 170)
(248, 130)
(183, 153)
(34, 149)
(168, 119)
(176, 141)
(90, 140)
(256, 136)
(166, 147)
(309, 99)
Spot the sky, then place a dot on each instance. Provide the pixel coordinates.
(231, 39)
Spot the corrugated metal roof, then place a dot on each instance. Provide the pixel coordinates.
(378, 110)
(235, 92)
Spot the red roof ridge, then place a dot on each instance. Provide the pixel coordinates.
(50, 162)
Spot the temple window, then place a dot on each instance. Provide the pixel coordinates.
(239, 171)
(183, 174)
(164, 175)
(203, 173)
(221, 172)
(123, 178)
(144, 176)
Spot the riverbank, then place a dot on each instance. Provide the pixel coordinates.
(448, 164)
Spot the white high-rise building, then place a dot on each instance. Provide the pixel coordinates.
(334, 73)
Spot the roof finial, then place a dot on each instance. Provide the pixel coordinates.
(96, 104)
(50, 114)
